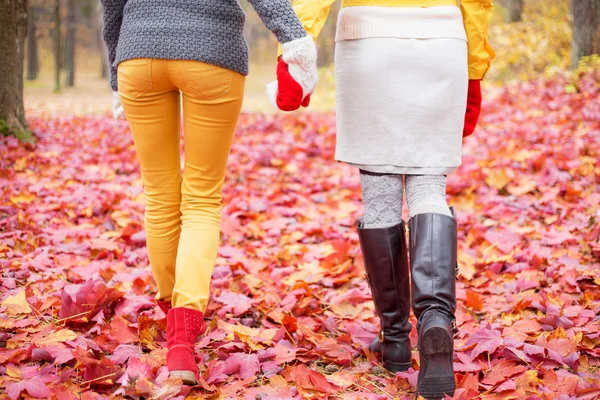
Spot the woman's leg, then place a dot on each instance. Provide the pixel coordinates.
(382, 197)
(151, 104)
(212, 101)
(383, 244)
(426, 194)
(433, 257)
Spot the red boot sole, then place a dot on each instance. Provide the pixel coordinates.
(188, 377)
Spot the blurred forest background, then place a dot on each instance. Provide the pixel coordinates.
(65, 57)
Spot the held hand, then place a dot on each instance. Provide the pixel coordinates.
(473, 107)
(297, 75)
(117, 107)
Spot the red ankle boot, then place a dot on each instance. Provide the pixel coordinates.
(164, 305)
(183, 327)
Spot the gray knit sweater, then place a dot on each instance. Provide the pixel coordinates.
(210, 31)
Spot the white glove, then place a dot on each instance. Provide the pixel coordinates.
(297, 75)
(117, 107)
(272, 89)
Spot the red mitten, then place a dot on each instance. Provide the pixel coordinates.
(297, 75)
(289, 94)
(473, 107)
(306, 101)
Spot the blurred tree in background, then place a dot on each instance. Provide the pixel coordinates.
(586, 29)
(57, 29)
(70, 41)
(13, 29)
(33, 58)
(263, 44)
(515, 10)
(539, 42)
(529, 36)
(65, 45)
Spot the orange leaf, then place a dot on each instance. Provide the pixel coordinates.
(474, 300)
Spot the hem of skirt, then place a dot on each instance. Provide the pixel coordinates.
(402, 170)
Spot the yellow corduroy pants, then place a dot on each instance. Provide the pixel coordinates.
(183, 214)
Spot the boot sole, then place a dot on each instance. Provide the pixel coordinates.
(438, 378)
(188, 377)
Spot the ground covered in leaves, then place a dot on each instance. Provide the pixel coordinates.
(290, 315)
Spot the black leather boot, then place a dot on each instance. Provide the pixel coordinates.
(433, 263)
(386, 264)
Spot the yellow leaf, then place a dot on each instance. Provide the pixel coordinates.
(589, 343)
(122, 218)
(23, 198)
(523, 155)
(302, 275)
(13, 371)
(577, 338)
(465, 201)
(558, 333)
(291, 168)
(243, 330)
(497, 178)
(529, 378)
(227, 328)
(278, 382)
(20, 164)
(267, 336)
(521, 189)
(584, 363)
(252, 281)
(55, 337)
(103, 244)
(17, 304)
(7, 323)
(345, 309)
(467, 266)
(245, 334)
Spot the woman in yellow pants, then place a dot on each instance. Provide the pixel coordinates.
(188, 54)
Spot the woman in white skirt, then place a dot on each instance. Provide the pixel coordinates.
(408, 74)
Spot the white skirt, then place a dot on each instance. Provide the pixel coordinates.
(401, 100)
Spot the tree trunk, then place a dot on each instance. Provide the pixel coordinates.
(13, 30)
(97, 21)
(515, 10)
(586, 29)
(70, 42)
(326, 40)
(33, 59)
(57, 46)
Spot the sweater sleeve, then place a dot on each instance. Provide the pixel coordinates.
(476, 16)
(112, 18)
(313, 15)
(279, 17)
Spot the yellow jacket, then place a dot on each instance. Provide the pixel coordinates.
(476, 16)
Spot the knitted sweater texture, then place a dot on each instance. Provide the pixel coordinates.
(210, 31)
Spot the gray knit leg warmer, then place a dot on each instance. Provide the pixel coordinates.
(426, 194)
(382, 196)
